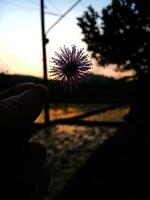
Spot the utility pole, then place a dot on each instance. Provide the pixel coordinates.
(44, 42)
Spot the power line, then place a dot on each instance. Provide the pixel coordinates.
(45, 7)
(54, 6)
(57, 21)
(51, 13)
(26, 7)
(17, 5)
(35, 3)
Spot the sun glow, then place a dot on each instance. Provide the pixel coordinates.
(21, 41)
(110, 71)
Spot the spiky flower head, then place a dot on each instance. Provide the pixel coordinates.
(70, 66)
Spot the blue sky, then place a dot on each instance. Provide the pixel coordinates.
(20, 35)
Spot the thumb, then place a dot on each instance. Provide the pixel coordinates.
(25, 107)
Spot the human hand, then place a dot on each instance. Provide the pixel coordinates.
(20, 159)
(23, 102)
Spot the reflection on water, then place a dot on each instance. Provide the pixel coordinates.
(69, 146)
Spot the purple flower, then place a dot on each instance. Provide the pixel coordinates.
(70, 66)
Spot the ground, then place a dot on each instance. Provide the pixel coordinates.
(69, 147)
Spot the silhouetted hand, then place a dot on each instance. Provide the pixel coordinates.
(21, 166)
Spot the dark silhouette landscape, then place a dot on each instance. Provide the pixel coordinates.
(92, 87)
(118, 168)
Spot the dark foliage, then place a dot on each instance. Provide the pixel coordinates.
(94, 86)
(123, 38)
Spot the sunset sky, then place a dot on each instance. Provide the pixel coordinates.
(20, 35)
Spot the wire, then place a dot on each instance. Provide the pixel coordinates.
(51, 13)
(26, 7)
(36, 3)
(62, 16)
(33, 2)
(17, 5)
(54, 6)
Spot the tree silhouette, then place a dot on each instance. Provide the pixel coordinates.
(122, 37)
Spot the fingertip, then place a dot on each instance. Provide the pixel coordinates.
(44, 90)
